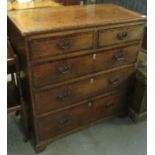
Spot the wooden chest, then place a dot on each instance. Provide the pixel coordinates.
(77, 65)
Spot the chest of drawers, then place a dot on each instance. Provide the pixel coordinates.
(77, 65)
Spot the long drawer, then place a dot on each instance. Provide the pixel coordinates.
(72, 93)
(120, 35)
(62, 122)
(57, 45)
(53, 72)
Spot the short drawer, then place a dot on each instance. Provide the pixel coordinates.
(62, 122)
(116, 57)
(120, 35)
(72, 93)
(58, 45)
(58, 71)
(109, 105)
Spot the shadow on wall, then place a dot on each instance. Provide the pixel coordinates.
(135, 5)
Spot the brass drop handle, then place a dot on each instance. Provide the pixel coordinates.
(65, 95)
(64, 69)
(65, 44)
(64, 121)
(113, 81)
(109, 105)
(119, 56)
(122, 35)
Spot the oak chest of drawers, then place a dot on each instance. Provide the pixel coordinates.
(77, 65)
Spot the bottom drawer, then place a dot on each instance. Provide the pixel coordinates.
(62, 122)
(109, 105)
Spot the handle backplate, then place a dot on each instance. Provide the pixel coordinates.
(119, 56)
(65, 95)
(113, 81)
(122, 35)
(65, 44)
(63, 69)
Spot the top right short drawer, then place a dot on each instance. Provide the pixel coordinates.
(113, 36)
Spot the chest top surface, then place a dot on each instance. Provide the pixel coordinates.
(40, 20)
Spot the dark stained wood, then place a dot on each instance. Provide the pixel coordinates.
(144, 44)
(10, 54)
(138, 106)
(13, 98)
(13, 94)
(65, 65)
(11, 59)
(140, 96)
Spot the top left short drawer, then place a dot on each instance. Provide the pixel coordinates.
(62, 44)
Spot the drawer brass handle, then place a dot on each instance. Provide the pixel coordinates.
(66, 44)
(113, 81)
(64, 96)
(64, 121)
(109, 105)
(122, 35)
(64, 69)
(119, 56)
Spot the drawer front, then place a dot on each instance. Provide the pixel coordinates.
(120, 35)
(62, 122)
(61, 44)
(53, 72)
(110, 105)
(116, 57)
(72, 93)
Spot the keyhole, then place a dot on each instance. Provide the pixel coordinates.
(94, 56)
(89, 104)
(91, 80)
